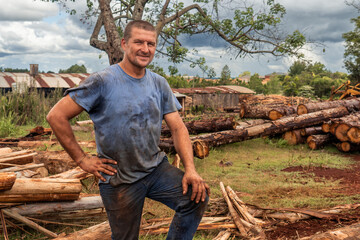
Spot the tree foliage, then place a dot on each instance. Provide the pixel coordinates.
(352, 51)
(225, 75)
(313, 79)
(246, 29)
(74, 69)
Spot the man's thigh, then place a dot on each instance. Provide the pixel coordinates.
(123, 206)
(166, 186)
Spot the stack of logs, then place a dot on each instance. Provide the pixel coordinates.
(308, 123)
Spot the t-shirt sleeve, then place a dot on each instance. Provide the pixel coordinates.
(170, 102)
(88, 93)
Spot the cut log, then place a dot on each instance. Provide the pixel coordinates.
(22, 167)
(31, 190)
(341, 132)
(256, 111)
(16, 158)
(205, 126)
(347, 232)
(86, 122)
(76, 173)
(311, 131)
(318, 141)
(250, 123)
(354, 135)
(347, 147)
(281, 111)
(7, 180)
(350, 104)
(39, 209)
(294, 137)
(272, 100)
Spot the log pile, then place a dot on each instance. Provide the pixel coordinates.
(229, 215)
(270, 107)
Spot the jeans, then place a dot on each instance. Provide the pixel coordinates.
(125, 202)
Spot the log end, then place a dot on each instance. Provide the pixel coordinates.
(274, 115)
(301, 109)
(201, 149)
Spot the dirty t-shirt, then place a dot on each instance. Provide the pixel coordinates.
(127, 113)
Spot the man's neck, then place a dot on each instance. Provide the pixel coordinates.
(132, 70)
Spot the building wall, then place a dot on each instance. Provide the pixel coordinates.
(215, 100)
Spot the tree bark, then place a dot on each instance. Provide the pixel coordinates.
(318, 141)
(205, 126)
(40, 209)
(281, 111)
(311, 131)
(32, 190)
(113, 44)
(350, 104)
(7, 180)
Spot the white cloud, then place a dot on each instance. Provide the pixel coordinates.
(26, 10)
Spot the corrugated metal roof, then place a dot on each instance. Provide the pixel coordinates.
(215, 89)
(42, 80)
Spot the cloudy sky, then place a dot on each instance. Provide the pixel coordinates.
(43, 33)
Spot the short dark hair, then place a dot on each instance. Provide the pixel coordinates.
(137, 24)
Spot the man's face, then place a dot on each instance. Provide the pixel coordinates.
(140, 48)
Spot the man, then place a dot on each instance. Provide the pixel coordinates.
(127, 104)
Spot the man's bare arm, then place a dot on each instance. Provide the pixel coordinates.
(183, 147)
(58, 118)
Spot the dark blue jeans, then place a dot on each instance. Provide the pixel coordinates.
(124, 204)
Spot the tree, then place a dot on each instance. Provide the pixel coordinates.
(211, 73)
(352, 51)
(255, 84)
(247, 30)
(297, 67)
(74, 69)
(225, 75)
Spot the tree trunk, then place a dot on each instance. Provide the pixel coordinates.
(318, 141)
(311, 131)
(256, 111)
(205, 126)
(32, 190)
(113, 44)
(344, 124)
(294, 137)
(7, 180)
(250, 123)
(281, 111)
(347, 147)
(354, 135)
(350, 104)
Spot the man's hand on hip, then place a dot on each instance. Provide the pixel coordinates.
(199, 187)
(96, 165)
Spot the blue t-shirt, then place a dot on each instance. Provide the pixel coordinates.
(127, 113)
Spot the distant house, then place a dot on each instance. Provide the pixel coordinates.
(45, 82)
(215, 97)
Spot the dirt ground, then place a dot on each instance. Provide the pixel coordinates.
(349, 185)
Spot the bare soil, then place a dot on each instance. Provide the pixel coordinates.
(349, 180)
